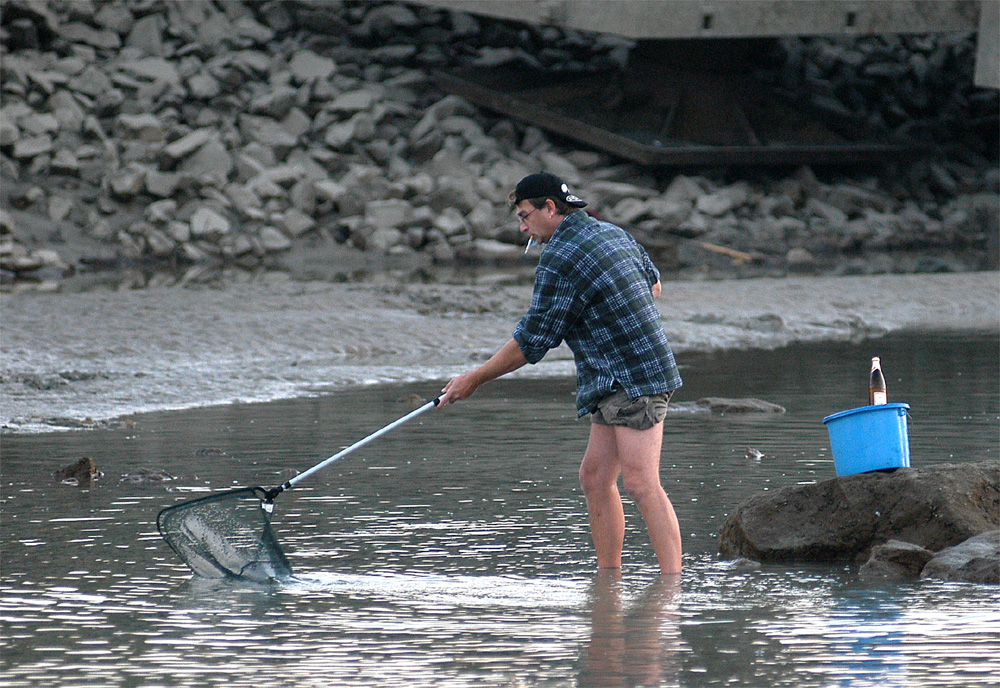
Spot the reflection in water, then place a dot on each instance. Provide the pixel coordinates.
(634, 644)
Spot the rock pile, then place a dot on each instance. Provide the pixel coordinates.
(193, 131)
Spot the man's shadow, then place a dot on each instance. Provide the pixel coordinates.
(633, 645)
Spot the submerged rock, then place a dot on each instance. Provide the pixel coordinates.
(722, 405)
(896, 560)
(977, 560)
(844, 518)
(82, 473)
(146, 475)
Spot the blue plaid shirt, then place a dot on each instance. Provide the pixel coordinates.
(593, 291)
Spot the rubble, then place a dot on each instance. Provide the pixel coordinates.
(269, 124)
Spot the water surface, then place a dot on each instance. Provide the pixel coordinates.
(455, 551)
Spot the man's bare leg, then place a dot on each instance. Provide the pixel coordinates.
(599, 479)
(639, 456)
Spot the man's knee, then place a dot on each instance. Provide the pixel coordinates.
(640, 487)
(594, 477)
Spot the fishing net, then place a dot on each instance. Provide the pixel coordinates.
(226, 535)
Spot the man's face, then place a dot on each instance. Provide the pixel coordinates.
(539, 223)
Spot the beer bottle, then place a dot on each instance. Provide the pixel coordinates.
(876, 383)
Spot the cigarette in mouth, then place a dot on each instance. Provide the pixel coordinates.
(528, 246)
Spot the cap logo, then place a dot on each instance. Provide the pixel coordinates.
(569, 197)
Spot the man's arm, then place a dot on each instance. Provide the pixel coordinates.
(508, 359)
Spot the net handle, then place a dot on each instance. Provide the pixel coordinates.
(269, 495)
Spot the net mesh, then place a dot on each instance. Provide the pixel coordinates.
(226, 535)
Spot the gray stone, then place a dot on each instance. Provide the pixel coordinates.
(976, 560)
(145, 127)
(392, 213)
(306, 65)
(208, 224)
(854, 200)
(799, 258)
(830, 214)
(33, 146)
(127, 182)
(683, 189)
(179, 231)
(65, 162)
(161, 212)
(450, 222)
(297, 123)
(211, 160)
(895, 560)
(384, 239)
(81, 33)
(162, 184)
(152, 69)
(329, 190)
(160, 244)
(188, 144)
(272, 239)
(492, 251)
(354, 101)
(294, 222)
(724, 200)
(38, 124)
(269, 133)
(9, 133)
(147, 35)
(204, 86)
(276, 103)
(92, 82)
(629, 211)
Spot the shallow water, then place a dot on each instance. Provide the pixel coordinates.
(455, 550)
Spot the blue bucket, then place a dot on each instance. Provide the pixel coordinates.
(869, 438)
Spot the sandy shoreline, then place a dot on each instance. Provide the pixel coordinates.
(99, 355)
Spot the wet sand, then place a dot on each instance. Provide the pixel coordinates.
(71, 359)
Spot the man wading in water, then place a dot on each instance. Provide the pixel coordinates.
(594, 288)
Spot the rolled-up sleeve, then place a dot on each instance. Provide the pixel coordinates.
(555, 305)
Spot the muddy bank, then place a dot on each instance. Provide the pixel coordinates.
(76, 360)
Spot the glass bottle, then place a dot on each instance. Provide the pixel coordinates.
(876, 383)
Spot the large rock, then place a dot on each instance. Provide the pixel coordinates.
(843, 518)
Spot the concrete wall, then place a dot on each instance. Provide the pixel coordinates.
(732, 18)
(988, 48)
(649, 19)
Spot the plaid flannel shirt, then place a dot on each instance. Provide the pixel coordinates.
(593, 291)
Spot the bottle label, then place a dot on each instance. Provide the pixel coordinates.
(878, 398)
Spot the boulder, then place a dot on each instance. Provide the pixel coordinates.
(977, 560)
(844, 518)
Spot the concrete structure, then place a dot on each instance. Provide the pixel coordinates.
(684, 99)
(988, 48)
(664, 19)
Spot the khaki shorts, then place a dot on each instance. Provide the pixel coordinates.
(638, 414)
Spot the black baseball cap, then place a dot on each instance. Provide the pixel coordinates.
(545, 185)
